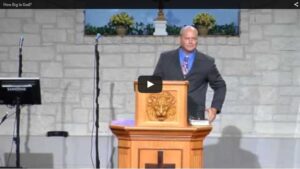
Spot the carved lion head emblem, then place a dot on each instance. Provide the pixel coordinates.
(161, 106)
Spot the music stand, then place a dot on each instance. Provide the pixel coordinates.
(19, 91)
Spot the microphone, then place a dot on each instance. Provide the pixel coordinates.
(4, 118)
(98, 36)
(21, 42)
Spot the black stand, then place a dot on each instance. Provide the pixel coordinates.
(17, 138)
(18, 110)
(97, 104)
(20, 57)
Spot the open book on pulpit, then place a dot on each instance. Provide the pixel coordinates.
(199, 122)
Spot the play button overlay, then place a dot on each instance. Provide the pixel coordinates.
(149, 84)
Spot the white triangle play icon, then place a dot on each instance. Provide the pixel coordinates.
(149, 84)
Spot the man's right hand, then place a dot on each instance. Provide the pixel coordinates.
(212, 114)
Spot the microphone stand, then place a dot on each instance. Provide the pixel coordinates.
(97, 104)
(20, 56)
(18, 109)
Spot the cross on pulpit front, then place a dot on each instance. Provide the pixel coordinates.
(160, 162)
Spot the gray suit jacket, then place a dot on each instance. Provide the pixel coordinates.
(203, 72)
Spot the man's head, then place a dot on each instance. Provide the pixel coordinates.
(188, 38)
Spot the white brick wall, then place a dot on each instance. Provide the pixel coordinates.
(261, 68)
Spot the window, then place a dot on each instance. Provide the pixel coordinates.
(96, 20)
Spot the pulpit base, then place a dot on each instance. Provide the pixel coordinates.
(164, 147)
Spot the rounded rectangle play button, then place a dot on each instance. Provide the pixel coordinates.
(149, 84)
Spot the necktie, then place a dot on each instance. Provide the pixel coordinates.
(185, 65)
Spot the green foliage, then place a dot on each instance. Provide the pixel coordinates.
(204, 19)
(148, 29)
(138, 29)
(141, 29)
(121, 19)
(104, 30)
(173, 30)
(227, 29)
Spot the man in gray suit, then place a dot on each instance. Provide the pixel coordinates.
(187, 63)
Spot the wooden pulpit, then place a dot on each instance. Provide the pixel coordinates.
(160, 136)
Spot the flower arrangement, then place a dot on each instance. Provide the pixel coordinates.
(205, 20)
(121, 19)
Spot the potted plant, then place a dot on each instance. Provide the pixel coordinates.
(204, 22)
(121, 22)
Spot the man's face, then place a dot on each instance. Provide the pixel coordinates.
(188, 40)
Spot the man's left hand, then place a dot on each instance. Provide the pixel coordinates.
(212, 113)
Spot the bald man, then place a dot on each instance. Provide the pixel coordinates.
(187, 63)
